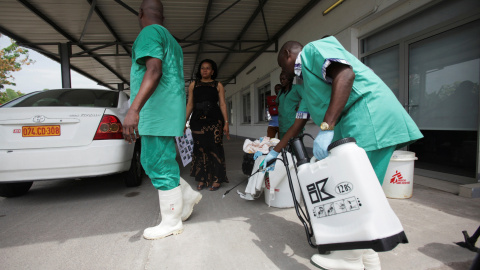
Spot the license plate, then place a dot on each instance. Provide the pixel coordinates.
(40, 131)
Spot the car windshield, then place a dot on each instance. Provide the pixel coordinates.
(67, 98)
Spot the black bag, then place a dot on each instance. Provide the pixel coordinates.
(247, 164)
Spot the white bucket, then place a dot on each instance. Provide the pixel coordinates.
(277, 189)
(398, 181)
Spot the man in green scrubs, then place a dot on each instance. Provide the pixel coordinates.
(346, 99)
(157, 113)
(288, 101)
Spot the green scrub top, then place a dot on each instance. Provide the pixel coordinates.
(164, 112)
(372, 115)
(287, 108)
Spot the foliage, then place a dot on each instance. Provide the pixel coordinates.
(8, 95)
(12, 58)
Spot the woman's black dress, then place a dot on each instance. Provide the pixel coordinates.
(206, 123)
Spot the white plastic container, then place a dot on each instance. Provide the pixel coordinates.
(277, 189)
(345, 202)
(398, 181)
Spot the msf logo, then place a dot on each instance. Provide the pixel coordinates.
(317, 192)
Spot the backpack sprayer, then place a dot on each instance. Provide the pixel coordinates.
(345, 207)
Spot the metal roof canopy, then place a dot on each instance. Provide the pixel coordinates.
(94, 37)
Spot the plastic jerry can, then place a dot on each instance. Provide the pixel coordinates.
(345, 202)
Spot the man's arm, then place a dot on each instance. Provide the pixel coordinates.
(291, 132)
(149, 84)
(342, 83)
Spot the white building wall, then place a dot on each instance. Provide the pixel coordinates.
(347, 22)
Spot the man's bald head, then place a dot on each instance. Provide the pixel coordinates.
(287, 56)
(292, 46)
(151, 12)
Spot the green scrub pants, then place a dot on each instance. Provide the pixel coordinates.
(380, 159)
(158, 160)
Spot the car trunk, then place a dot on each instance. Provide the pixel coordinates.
(48, 127)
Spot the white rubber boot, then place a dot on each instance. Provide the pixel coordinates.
(171, 211)
(190, 198)
(339, 260)
(371, 260)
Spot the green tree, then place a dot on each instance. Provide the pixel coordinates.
(8, 95)
(12, 58)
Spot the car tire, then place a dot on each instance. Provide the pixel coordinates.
(133, 177)
(9, 190)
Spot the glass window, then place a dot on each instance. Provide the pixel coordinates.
(386, 65)
(247, 118)
(439, 13)
(263, 93)
(440, 88)
(444, 75)
(443, 80)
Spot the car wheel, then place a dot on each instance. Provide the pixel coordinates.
(14, 189)
(133, 177)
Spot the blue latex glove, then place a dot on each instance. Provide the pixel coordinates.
(272, 155)
(321, 143)
(260, 139)
(257, 154)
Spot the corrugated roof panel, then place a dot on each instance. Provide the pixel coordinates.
(183, 18)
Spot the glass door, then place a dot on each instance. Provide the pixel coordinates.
(443, 99)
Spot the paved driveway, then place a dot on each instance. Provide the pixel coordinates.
(97, 224)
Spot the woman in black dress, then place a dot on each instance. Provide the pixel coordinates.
(209, 122)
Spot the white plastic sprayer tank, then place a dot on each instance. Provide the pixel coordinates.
(345, 202)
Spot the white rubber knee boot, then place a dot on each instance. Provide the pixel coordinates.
(371, 260)
(190, 198)
(171, 211)
(339, 260)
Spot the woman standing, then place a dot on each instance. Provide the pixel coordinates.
(288, 101)
(209, 122)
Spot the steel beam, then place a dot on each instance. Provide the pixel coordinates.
(50, 55)
(200, 45)
(65, 50)
(212, 19)
(127, 7)
(120, 2)
(265, 22)
(276, 37)
(89, 17)
(68, 36)
(108, 25)
(244, 30)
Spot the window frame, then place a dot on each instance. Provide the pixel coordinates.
(246, 97)
(262, 104)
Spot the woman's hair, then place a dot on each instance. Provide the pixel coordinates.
(214, 68)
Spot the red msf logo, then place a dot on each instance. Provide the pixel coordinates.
(397, 178)
(267, 183)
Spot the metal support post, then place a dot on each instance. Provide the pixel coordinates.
(65, 51)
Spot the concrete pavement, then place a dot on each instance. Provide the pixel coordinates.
(97, 223)
(232, 233)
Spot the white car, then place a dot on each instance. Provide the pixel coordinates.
(65, 134)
